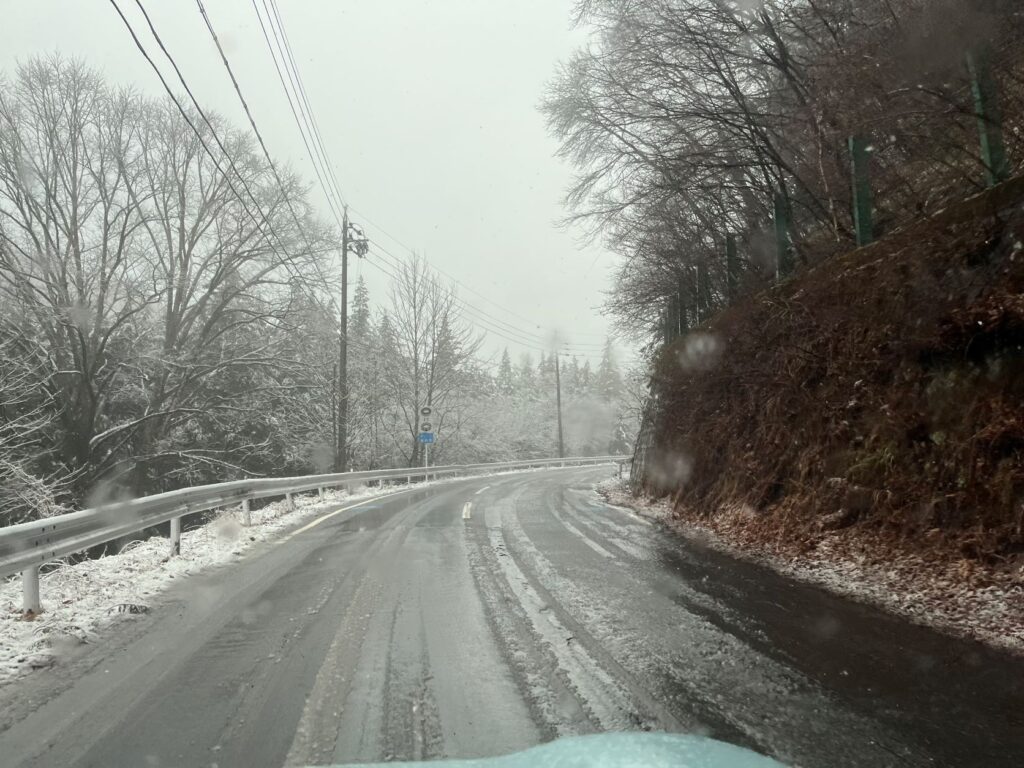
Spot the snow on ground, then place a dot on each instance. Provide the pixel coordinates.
(941, 596)
(615, 492)
(81, 600)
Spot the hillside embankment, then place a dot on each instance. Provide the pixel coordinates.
(869, 410)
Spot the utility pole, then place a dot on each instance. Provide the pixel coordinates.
(340, 461)
(558, 399)
(334, 411)
(358, 244)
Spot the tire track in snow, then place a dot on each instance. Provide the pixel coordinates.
(725, 682)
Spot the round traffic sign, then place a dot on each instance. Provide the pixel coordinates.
(426, 410)
(426, 427)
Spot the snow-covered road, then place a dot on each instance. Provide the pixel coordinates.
(487, 615)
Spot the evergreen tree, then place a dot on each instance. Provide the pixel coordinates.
(608, 381)
(359, 318)
(364, 398)
(526, 380)
(571, 378)
(586, 378)
(506, 381)
(546, 373)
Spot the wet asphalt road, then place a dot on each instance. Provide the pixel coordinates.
(403, 629)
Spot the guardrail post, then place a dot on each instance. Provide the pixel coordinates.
(246, 514)
(30, 590)
(175, 536)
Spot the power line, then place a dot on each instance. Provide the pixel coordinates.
(305, 119)
(184, 114)
(305, 100)
(521, 337)
(209, 124)
(395, 278)
(582, 347)
(527, 336)
(386, 267)
(206, 148)
(256, 130)
(388, 273)
(405, 247)
(532, 341)
(299, 122)
(481, 317)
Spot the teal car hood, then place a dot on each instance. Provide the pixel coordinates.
(613, 750)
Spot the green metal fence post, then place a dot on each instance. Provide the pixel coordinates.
(863, 224)
(990, 121)
(783, 244)
(731, 266)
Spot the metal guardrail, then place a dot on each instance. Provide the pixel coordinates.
(26, 546)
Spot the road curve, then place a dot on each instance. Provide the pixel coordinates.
(488, 615)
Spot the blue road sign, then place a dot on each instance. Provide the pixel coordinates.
(426, 437)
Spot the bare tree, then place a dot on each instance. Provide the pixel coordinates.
(31, 485)
(232, 275)
(67, 229)
(428, 353)
(685, 118)
(166, 294)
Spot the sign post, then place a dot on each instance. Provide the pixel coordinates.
(426, 436)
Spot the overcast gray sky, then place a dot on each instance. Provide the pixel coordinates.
(428, 110)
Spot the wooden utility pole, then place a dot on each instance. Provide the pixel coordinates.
(340, 459)
(334, 412)
(558, 399)
(358, 244)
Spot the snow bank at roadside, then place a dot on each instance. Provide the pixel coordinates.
(935, 595)
(84, 599)
(80, 600)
